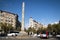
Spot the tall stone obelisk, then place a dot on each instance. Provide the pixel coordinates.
(23, 5)
(22, 32)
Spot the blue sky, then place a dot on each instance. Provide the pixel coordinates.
(43, 11)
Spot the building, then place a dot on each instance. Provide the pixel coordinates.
(34, 24)
(9, 18)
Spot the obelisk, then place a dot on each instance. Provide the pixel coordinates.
(23, 5)
(22, 32)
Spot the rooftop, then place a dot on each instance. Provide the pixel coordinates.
(7, 12)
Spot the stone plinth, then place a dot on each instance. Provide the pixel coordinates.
(22, 34)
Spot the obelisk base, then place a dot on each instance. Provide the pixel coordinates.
(23, 33)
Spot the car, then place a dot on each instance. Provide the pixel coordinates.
(35, 35)
(58, 35)
(50, 36)
(38, 35)
(13, 34)
(44, 35)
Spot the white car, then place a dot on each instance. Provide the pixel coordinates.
(57, 35)
(38, 35)
(44, 35)
(50, 35)
(12, 34)
(35, 35)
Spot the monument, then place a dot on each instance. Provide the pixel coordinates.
(22, 32)
(22, 28)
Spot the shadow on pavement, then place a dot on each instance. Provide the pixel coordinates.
(58, 38)
(44, 38)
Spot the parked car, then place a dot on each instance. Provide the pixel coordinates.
(58, 35)
(50, 35)
(13, 34)
(35, 35)
(38, 35)
(44, 35)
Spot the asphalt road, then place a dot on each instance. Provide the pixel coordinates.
(13, 38)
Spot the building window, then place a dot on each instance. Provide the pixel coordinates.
(7, 18)
(35, 25)
(2, 15)
(1, 20)
(11, 21)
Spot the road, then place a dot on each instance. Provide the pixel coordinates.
(13, 38)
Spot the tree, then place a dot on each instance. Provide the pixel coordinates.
(31, 29)
(18, 29)
(6, 28)
(18, 26)
(39, 30)
(58, 27)
(49, 28)
(54, 28)
(10, 28)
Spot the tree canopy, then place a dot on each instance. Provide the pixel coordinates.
(6, 27)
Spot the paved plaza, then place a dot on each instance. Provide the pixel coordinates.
(30, 38)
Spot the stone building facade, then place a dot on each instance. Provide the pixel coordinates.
(9, 18)
(34, 24)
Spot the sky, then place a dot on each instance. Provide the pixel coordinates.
(43, 11)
